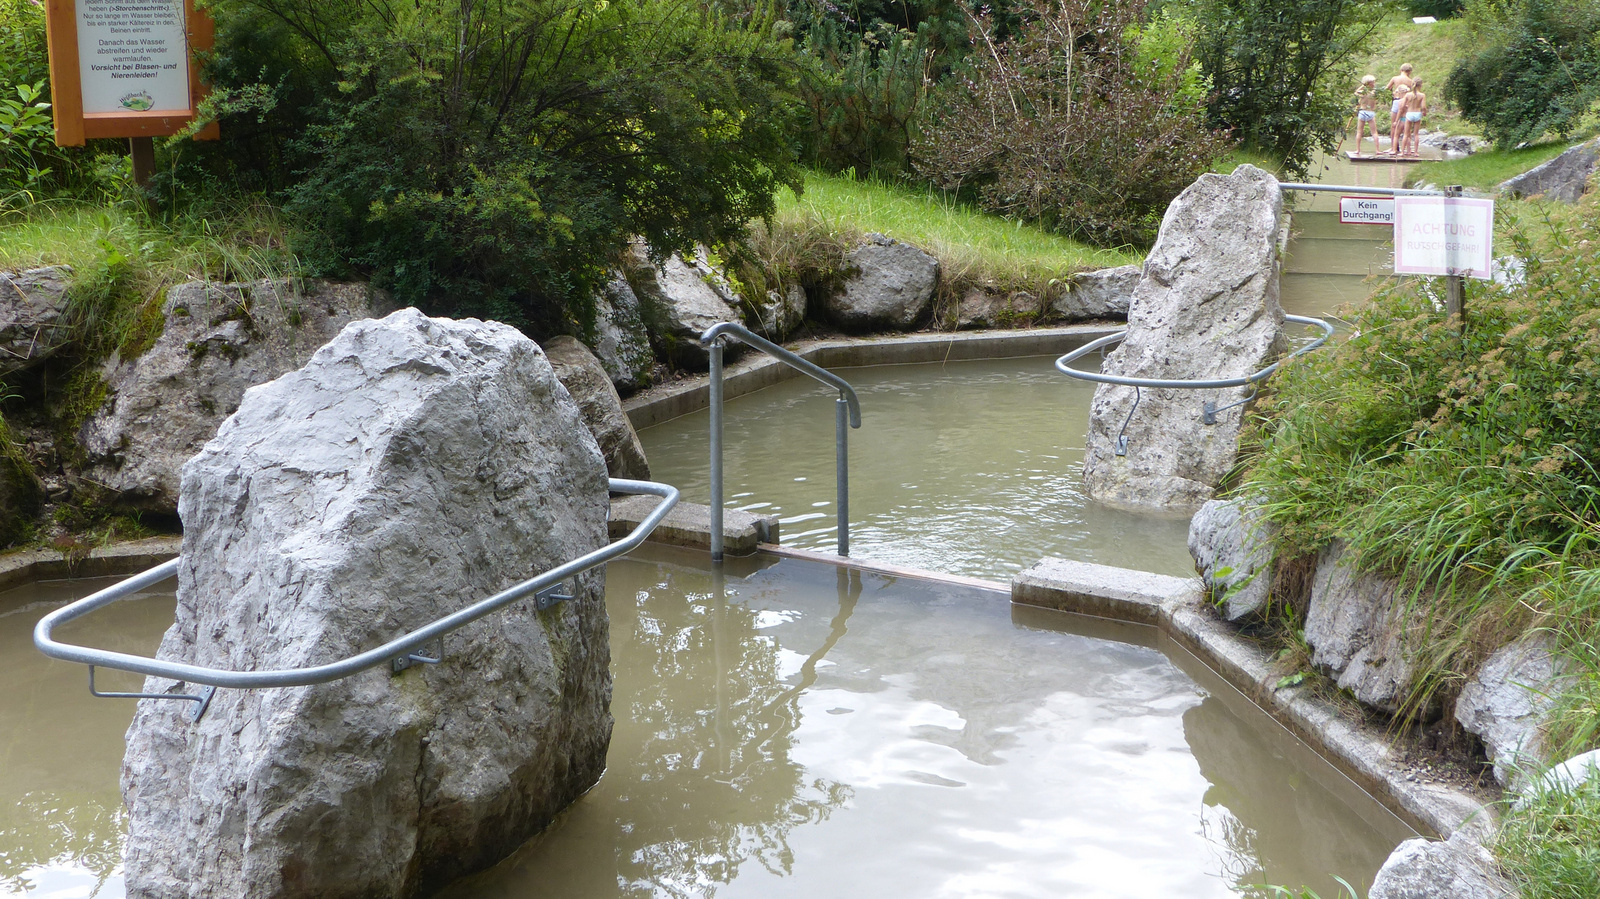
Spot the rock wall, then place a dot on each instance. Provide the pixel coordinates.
(1564, 178)
(413, 466)
(1206, 308)
(33, 310)
(218, 341)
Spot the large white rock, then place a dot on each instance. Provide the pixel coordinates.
(412, 467)
(891, 288)
(1457, 868)
(1505, 702)
(1101, 294)
(1206, 308)
(1359, 626)
(1564, 178)
(33, 309)
(622, 344)
(1232, 550)
(585, 378)
(217, 341)
(682, 298)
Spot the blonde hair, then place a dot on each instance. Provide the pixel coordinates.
(1369, 79)
(1405, 67)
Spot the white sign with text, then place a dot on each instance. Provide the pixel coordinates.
(1366, 210)
(1443, 236)
(133, 55)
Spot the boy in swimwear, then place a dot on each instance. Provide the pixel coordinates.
(1398, 86)
(1367, 111)
(1416, 105)
(1397, 123)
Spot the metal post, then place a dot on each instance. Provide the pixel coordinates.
(716, 450)
(1453, 307)
(841, 408)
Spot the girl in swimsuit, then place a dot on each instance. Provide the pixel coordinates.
(1416, 105)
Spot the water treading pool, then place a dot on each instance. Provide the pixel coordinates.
(791, 728)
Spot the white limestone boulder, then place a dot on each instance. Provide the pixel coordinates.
(1564, 178)
(1232, 550)
(584, 377)
(1097, 295)
(891, 288)
(412, 467)
(1457, 868)
(681, 299)
(1506, 700)
(217, 341)
(33, 310)
(1206, 307)
(1360, 627)
(781, 314)
(622, 344)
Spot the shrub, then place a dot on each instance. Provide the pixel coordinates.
(1536, 68)
(492, 158)
(863, 96)
(1280, 70)
(1069, 125)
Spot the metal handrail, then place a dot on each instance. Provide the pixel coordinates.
(1063, 364)
(846, 407)
(394, 651)
(1208, 408)
(1356, 188)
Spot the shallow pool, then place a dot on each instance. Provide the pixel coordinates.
(795, 729)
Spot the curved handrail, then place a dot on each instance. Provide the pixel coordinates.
(1063, 364)
(745, 335)
(298, 677)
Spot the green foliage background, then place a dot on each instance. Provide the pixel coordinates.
(1536, 68)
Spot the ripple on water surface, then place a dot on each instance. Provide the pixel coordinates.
(971, 468)
(795, 730)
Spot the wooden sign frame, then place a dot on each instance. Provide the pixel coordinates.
(73, 125)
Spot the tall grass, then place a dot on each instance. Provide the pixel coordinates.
(123, 259)
(1550, 842)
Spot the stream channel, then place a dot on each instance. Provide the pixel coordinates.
(792, 728)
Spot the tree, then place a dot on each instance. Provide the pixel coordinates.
(1087, 121)
(1279, 70)
(1536, 68)
(491, 157)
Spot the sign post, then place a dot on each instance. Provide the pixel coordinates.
(1452, 236)
(126, 68)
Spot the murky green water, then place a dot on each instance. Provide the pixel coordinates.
(971, 468)
(793, 729)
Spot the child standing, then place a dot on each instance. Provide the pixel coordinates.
(1367, 111)
(1398, 86)
(1416, 106)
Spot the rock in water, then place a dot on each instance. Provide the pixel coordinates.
(1205, 308)
(412, 467)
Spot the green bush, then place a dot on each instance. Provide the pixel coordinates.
(1280, 71)
(1535, 69)
(1464, 464)
(863, 95)
(27, 134)
(1070, 124)
(493, 158)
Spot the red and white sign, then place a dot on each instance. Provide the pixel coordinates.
(1366, 210)
(1443, 236)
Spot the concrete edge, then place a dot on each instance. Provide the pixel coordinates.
(785, 552)
(754, 371)
(1355, 748)
(24, 567)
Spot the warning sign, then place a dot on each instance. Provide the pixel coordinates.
(1366, 210)
(1443, 236)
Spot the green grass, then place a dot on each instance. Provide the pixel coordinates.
(970, 245)
(1550, 846)
(1486, 169)
(1240, 156)
(123, 260)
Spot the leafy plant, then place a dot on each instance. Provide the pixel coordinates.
(1067, 125)
(1535, 68)
(1280, 70)
(27, 135)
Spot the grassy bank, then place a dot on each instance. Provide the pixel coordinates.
(1485, 169)
(1464, 465)
(1432, 51)
(812, 232)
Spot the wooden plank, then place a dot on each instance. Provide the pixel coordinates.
(66, 91)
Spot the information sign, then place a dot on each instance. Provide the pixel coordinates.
(1366, 210)
(124, 68)
(1443, 236)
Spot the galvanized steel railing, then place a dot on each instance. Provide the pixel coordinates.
(399, 653)
(846, 408)
(1209, 410)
